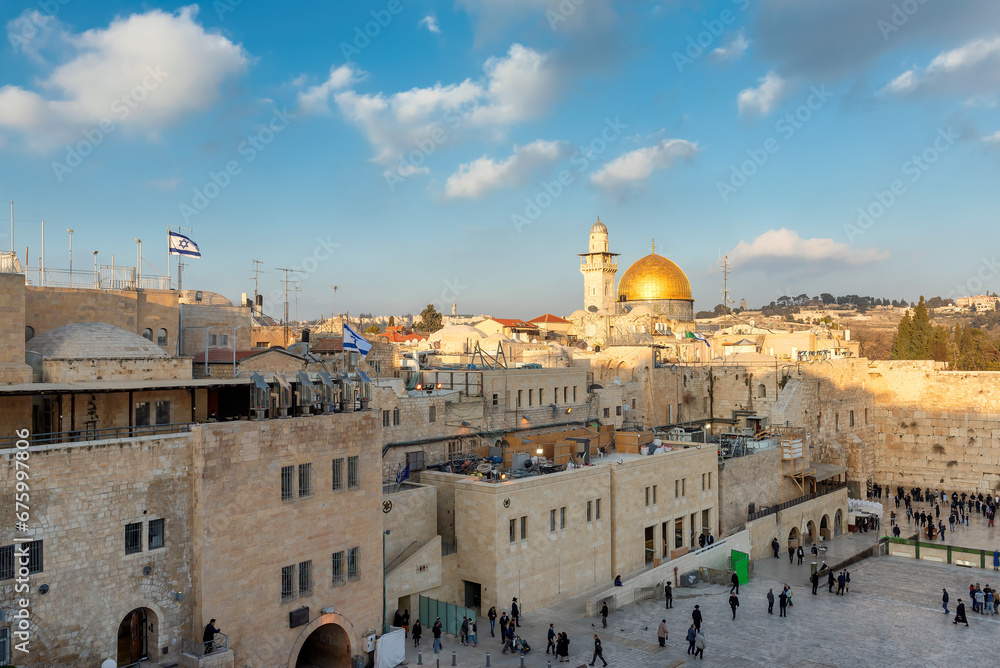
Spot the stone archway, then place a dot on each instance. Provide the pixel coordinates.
(136, 638)
(824, 528)
(838, 523)
(793, 537)
(329, 640)
(811, 534)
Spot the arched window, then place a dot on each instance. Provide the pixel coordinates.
(29, 333)
(161, 337)
(761, 391)
(147, 334)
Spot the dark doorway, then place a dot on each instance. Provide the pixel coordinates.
(133, 636)
(650, 551)
(326, 647)
(473, 593)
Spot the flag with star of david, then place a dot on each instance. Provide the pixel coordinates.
(181, 245)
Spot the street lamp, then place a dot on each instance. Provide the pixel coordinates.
(138, 264)
(97, 276)
(70, 258)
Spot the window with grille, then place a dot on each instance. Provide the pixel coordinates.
(385, 418)
(338, 474)
(590, 508)
(552, 520)
(353, 472)
(396, 417)
(852, 418)
(6, 562)
(287, 482)
(162, 412)
(133, 538)
(142, 413)
(496, 399)
(305, 577)
(524, 528)
(618, 410)
(432, 414)
(607, 412)
(415, 461)
(156, 534)
(338, 567)
(598, 509)
(354, 563)
(287, 582)
(562, 517)
(574, 394)
(519, 398)
(531, 397)
(161, 337)
(4, 645)
(305, 480)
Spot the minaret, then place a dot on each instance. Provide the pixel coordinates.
(599, 267)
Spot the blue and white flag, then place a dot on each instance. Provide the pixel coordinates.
(354, 341)
(403, 475)
(698, 337)
(182, 245)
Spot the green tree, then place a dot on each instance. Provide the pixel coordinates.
(373, 329)
(392, 321)
(920, 335)
(430, 320)
(939, 344)
(902, 346)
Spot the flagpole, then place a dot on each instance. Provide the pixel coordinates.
(169, 285)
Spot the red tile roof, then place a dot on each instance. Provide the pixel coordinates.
(514, 322)
(396, 337)
(548, 317)
(328, 345)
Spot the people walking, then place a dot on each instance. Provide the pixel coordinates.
(463, 632)
(735, 579)
(775, 546)
(830, 580)
(552, 639)
(598, 651)
(661, 633)
(782, 602)
(815, 582)
(562, 647)
(841, 582)
(801, 554)
(791, 553)
(770, 601)
(515, 612)
(436, 631)
(996, 560)
(847, 581)
(668, 593)
(699, 643)
(734, 603)
(960, 614)
(604, 614)
(504, 621)
(472, 633)
(692, 635)
(696, 617)
(492, 616)
(944, 600)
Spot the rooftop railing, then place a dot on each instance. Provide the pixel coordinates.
(200, 649)
(770, 510)
(97, 434)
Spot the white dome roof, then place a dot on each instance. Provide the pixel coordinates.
(457, 333)
(93, 340)
(598, 227)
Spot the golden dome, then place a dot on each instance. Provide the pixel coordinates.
(654, 277)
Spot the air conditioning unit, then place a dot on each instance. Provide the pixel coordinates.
(298, 617)
(370, 643)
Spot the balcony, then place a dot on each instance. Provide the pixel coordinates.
(770, 510)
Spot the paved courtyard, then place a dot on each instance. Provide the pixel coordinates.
(892, 616)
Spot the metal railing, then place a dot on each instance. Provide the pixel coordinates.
(200, 649)
(107, 278)
(644, 593)
(98, 434)
(770, 510)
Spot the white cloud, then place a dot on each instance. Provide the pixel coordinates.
(765, 97)
(165, 184)
(517, 87)
(479, 177)
(971, 69)
(784, 246)
(144, 72)
(734, 49)
(314, 100)
(636, 166)
(431, 23)
(993, 139)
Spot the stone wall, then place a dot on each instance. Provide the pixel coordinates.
(197, 318)
(755, 478)
(88, 370)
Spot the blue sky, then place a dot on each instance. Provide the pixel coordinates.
(461, 151)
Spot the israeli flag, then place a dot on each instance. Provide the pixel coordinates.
(354, 341)
(182, 245)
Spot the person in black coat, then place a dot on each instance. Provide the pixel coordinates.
(960, 614)
(782, 602)
(598, 651)
(801, 554)
(734, 603)
(791, 554)
(775, 547)
(770, 601)
(736, 583)
(696, 618)
(830, 580)
(815, 582)
(515, 612)
(416, 633)
(668, 593)
(604, 614)
(208, 637)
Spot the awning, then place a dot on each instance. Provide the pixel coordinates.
(325, 377)
(363, 377)
(827, 471)
(304, 379)
(344, 378)
(258, 381)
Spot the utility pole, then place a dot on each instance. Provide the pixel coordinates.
(724, 263)
(285, 322)
(296, 289)
(256, 274)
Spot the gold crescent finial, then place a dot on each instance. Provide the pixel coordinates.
(654, 244)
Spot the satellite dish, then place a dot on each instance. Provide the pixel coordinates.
(593, 309)
(626, 408)
(617, 381)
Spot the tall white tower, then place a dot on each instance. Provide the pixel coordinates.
(599, 267)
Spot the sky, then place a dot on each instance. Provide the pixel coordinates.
(413, 152)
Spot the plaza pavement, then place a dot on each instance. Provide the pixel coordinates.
(892, 616)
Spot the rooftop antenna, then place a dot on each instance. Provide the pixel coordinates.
(334, 314)
(256, 274)
(285, 321)
(724, 263)
(296, 289)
